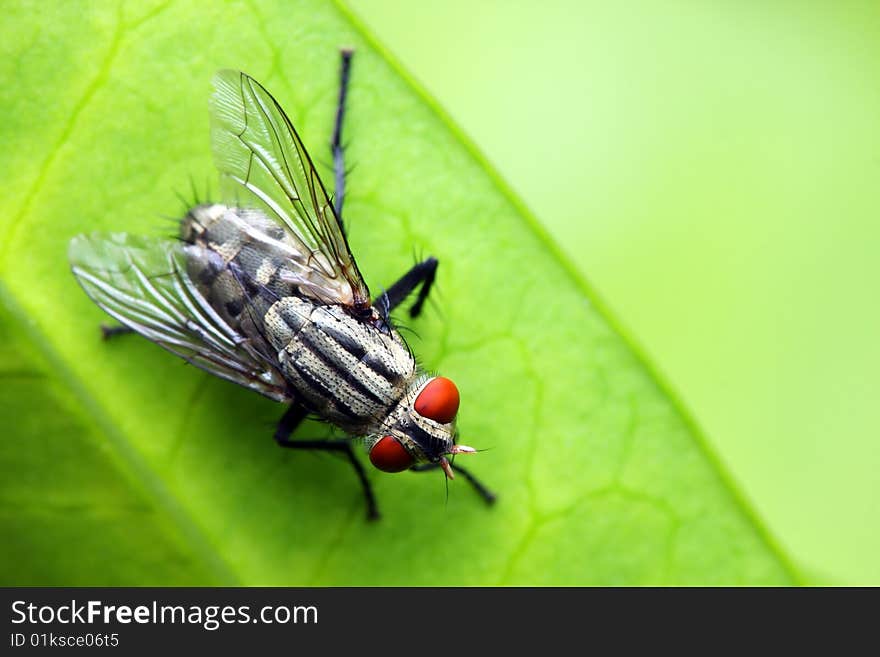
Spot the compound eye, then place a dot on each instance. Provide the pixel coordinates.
(390, 456)
(438, 400)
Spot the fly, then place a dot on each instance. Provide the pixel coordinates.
(262, 290)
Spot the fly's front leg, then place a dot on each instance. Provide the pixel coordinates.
(292, 418)
(481, 489)
(422, 273)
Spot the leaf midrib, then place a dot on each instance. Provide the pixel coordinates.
(138, 468)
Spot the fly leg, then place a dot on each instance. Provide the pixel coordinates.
(292, 418)
(336, 143)
(487, 495)
(108, 332)
(422, 273)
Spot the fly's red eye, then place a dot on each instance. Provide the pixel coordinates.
(390, 456)
(438, 400)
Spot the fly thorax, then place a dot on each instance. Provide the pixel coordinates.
(338, 366)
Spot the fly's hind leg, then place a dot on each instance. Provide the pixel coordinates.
(423, 272)
(292, 418)
(336, 143)
(480, 488)
(108, 332)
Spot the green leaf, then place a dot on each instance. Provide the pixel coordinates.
(121, 465)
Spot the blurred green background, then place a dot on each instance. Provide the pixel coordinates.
(731, 217)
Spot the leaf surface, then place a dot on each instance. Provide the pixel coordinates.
(124, 466)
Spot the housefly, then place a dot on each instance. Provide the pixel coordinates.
(262, 290)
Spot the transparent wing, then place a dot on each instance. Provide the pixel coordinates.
(142, 282)
(263, 162)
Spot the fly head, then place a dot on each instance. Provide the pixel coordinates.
(422, 430)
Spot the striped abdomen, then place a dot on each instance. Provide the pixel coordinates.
(348, 371)
(237, 264)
